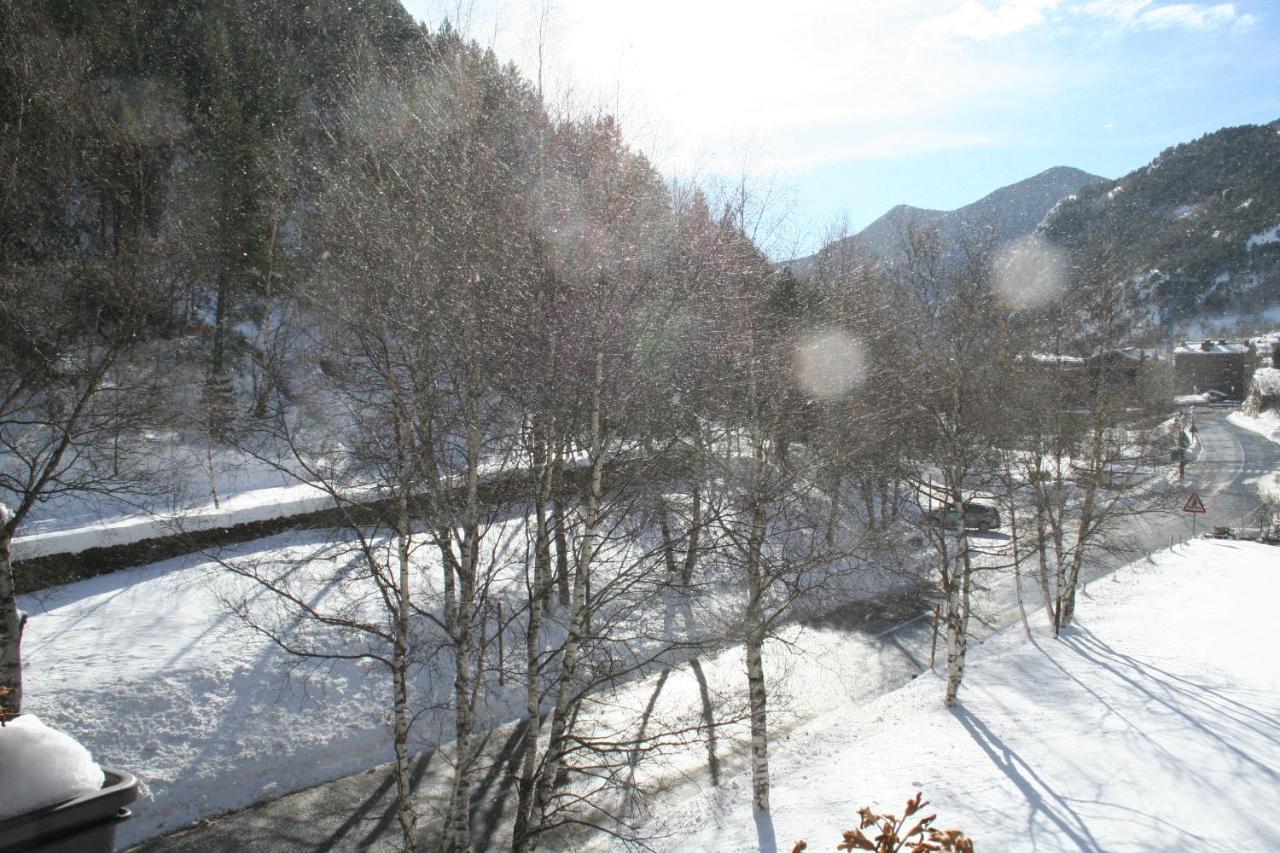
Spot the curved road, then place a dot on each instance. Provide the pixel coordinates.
(1232, 465)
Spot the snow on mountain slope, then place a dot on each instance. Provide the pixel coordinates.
(1203, 215)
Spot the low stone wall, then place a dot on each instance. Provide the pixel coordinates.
(40, 572)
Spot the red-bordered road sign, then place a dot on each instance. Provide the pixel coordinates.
(1194, 504)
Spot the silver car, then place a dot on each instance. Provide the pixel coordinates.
(976, 516)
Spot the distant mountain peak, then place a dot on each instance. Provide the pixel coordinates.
(1008, 213)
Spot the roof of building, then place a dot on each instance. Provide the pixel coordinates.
(1212, 347)
(1270, 339)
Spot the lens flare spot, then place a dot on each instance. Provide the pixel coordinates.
(829, 363)
(1029, 272)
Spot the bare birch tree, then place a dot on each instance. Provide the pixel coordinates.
(81, 289)
(954, 375)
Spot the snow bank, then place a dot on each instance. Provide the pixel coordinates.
(1121, 736)
(147, 669)
(1266, 424)
(40, 766)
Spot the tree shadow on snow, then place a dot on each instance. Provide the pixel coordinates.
(1042, 799)
(1200, 705)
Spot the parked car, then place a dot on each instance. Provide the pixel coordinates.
(979, 516)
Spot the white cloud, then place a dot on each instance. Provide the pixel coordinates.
(1120, 11)
(1145, 14)
(985, 21)
(982, 22)
(1190, 16)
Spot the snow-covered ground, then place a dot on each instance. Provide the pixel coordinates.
(1123, 735)
(147, 669)
(151, 671)
(241, 489)
(194, 488)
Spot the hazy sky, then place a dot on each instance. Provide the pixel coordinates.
(848, 108)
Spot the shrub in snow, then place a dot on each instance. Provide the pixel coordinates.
(40, 766)
(920, 838)
(1264, 392)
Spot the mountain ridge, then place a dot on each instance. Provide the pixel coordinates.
(1194, 234)
(1005, 213)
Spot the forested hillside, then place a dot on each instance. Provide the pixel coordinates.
(190, 178)
(1195, 230)
(321, 239)
(164, 161)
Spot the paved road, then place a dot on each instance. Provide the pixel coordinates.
(1233, 463)
(357, 812)
(1226, 476)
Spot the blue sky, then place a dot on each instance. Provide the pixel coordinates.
(836, 111)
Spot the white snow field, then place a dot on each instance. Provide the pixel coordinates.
(150, 670)
(1153, 724)
(147, 669)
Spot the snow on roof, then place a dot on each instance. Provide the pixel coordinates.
(1212, 347)
(1265, 340)
(1050, 358)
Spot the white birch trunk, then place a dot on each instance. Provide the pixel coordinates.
(10, 628)
(399, 674)
(756, 689)
(956, 636)
(566, 687)
(538, 591)
(464, 689)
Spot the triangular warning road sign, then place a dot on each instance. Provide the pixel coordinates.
(1193, 504)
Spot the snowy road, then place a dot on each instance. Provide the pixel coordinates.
(1229, 476)
(1234, 467)
(892, 637)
